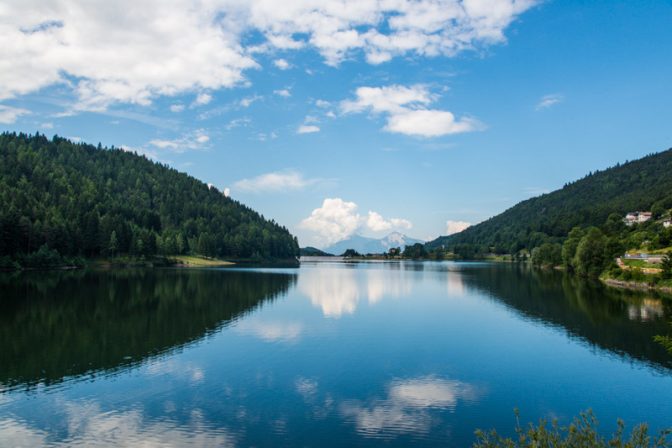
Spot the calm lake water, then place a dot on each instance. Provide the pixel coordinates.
(331, 354)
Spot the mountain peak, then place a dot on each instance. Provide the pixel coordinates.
(366, 245)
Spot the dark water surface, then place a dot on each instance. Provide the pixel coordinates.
(330, 354)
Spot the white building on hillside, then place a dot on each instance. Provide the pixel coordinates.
(637, 218)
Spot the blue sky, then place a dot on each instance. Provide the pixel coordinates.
(350, 116)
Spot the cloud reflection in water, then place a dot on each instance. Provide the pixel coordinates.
(89, 426)
(338, 291)
(406, 409)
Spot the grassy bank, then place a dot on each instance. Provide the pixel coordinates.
(195, 261)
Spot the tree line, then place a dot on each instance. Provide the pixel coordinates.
(70, 199)
(643, 184)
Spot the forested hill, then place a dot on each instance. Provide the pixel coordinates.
(644, 184)
(91, 201)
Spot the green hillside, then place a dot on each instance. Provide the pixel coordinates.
(88, 201)
(644, 184)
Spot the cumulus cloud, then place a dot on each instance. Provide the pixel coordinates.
(282, 64)
(406, 111)
(456, 226)
(274, 182)
(202, 99)
(9, 115)
(307, 129)
(132, 52)
(550, 100)
(191, 141)
(337, 220)
(334, 221)
(377, 223)
(176, 108)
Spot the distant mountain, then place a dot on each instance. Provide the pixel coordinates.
(643, 184)
(313, 252)
(365, 245)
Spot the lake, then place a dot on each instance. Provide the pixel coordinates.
(330, 354)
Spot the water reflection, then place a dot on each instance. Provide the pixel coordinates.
(408, 405)
(338, 290)
(270, 331)
(55, 325)
(217, 362)
(648, 309)
(620, 321)
(87, 425)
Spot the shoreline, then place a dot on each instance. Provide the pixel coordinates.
(635, 286)
(180, 262)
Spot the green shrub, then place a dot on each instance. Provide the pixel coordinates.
(7, 264)
(42, 258)
(581, 433)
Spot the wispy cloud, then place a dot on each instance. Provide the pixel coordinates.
(197, 139)
(248, 100)
(456, 226)
(549, 100)
(286, 93)
(9, 115)
(307, 129)
(278, 181)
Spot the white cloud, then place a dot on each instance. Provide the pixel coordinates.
(456, 226)
(334, 221)
(282, 64)
(283, 92)
(264, 136)
(47, 125)
(247, 101)
(8, 114)
(337, 220)
(238, 123)
(126, 51)
(322, 103)
(227, 192)
(307, 129)
(407, 112)
(191, 141)
(550, 100)
(377, 223)
(202, 99)
(276, 181)
(390, 99)
(176, 108)
(133, 52)
(429, 123)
